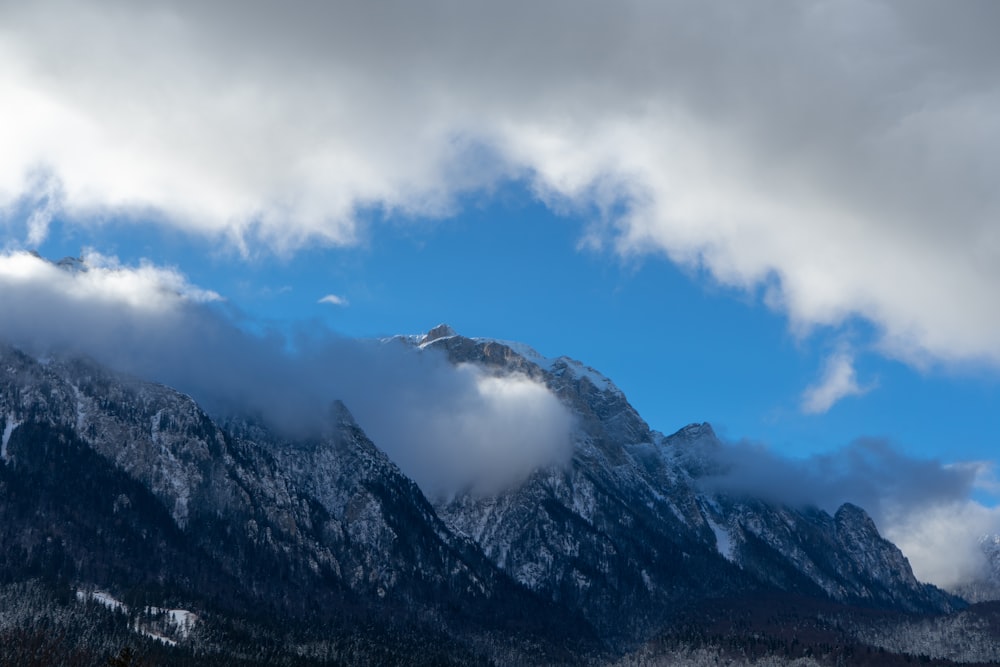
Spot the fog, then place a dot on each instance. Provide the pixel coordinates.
(924, 506)
(448, 427)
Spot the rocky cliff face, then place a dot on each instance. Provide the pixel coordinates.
(235, 516)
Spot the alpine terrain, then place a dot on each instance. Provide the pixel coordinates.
(137, 527)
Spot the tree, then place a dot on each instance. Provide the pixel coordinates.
(125, 658)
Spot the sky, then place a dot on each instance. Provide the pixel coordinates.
(779, 217)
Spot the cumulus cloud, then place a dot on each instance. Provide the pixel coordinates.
(334, 300)
(449, 428)
(93, 281)
(838, 154)
(839, 381)
(923, 506)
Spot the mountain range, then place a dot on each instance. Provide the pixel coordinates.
(125, 506)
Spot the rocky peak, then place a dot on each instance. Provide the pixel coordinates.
(438, 332)
(72, 264)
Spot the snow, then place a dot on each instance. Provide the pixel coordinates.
(582, 371)
(722, 541)
(103, 599)
(574, 367)
(81, 412)
(179, 621)
(526, 351)
(680, 516)
(11, 424)
(648, 581)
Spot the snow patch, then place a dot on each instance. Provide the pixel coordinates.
(102, 599)
(582, 371)
(178, 622)
(680, 515)
(722, 540)
(81, 411)
(526, 351)
(648, 581)
(181, 621)
(8, 430)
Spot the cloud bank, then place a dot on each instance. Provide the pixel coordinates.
(922, 506)
(448, 428)
(838, 156)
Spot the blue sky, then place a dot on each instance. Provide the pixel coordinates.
(779, 218)
(682, 347)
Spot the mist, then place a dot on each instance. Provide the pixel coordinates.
(447, 427)
(924, 506)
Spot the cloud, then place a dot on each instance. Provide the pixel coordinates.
(869, 472)
(447, 427)
(491, 435)
(334, 300)
(923, 506)
(839, 381)
(942, 540)
(839, 155)
(95, 281)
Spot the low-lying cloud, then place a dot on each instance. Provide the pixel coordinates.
(449, 428)
(923, 506)
(488, 435)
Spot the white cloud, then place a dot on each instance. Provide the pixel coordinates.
(839, 381)
(94, 279)
(840, 154)
(334, 300)
(942, 540)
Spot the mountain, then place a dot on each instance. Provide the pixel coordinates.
(129, 486)
(320, 547)
(625, 534)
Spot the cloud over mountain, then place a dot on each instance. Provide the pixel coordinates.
(924, 506)
(447, 427)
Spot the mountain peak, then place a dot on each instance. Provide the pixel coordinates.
(440, 331)
(72, 264)
(341, 415)
(696, 431)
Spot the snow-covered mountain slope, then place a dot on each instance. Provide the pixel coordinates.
(238, 515)
(625, 533)
(139, 487)
(391, 545)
